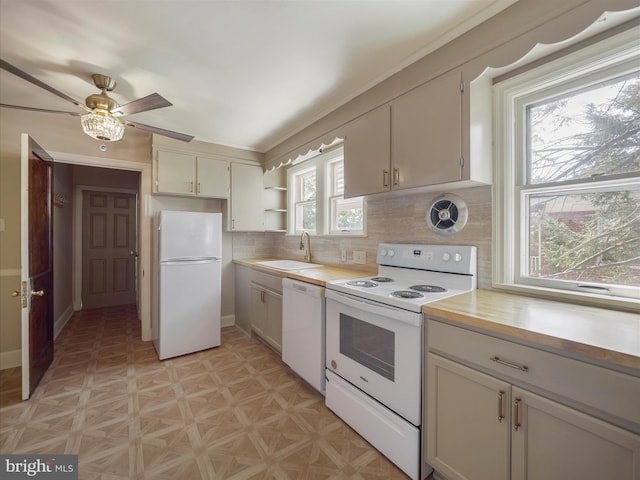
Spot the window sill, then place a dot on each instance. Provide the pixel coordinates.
(592, 300)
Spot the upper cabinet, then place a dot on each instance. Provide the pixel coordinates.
(245, 209)
(367, 150)
(426, 134)
(415, 141)
(190, 175)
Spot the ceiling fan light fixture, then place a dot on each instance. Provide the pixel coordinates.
(102, 125)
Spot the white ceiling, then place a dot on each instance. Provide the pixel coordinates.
(241, 73)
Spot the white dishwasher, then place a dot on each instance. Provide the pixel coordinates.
(303, 330)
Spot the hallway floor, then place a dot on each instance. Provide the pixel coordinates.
(233, 412)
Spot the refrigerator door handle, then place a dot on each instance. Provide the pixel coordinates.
(190, 261)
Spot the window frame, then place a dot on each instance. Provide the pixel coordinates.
(590, 65)
(322, 163)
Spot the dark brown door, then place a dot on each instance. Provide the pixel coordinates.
(108, 240)
(37, 264)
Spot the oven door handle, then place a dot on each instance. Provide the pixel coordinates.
(403, 316)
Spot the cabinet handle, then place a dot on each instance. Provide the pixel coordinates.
(385, 178)
(191, 187)
(500, 405)
(522, 368)
(262, 296)
(396, 176)
(516, 414)
(198, 187)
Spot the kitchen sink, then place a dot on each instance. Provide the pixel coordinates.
(288, 264)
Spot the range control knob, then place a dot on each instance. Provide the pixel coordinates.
(383, 252)
(391, 253)
(446, 256)
(457, 257)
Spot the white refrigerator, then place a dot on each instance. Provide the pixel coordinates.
(190, 257)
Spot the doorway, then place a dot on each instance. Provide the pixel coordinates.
(142, 187)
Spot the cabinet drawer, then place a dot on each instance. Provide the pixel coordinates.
(272, 282)
(612, 395)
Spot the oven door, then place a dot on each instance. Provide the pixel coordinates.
(378, 349)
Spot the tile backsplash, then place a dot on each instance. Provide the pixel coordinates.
(390, 219)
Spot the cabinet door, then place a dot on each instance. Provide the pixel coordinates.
(367, 150)
(256, 309)
(175, 173)
(426, 129)
(555, 441)
(246, 211)
(466, 439)
(273, 323)
(213, 178)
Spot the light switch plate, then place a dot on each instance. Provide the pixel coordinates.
(360, 257)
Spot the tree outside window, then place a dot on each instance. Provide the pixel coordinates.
(594, 234)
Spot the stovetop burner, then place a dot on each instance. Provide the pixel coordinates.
(406, 294)
(382, 279)
(362, 283)
(428, 288)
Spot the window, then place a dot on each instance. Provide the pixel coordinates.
(568, 175)
(305, 208)
(317, 200)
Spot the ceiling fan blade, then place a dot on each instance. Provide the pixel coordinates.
(16, 71)
(160, 131)
(144, 104)
(33, 109)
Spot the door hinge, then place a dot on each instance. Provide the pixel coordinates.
(25, 290)
(461, 162)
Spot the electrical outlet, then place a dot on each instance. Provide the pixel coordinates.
(343, 255)
(360, 257)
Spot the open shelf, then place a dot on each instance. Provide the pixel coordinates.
(275, 201)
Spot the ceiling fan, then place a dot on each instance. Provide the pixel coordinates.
(101, 119)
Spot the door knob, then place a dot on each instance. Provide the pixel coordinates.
(37, 293)
(134, 253)
(15, 293)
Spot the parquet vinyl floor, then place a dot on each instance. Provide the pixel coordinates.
(233, 412)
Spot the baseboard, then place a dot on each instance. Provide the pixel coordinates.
(62, 320)
(228, 320)
(10, 359)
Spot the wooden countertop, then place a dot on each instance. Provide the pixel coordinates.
(316, 275)
(603, 335)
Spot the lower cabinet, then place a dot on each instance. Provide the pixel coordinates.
(550, 440)
(265, 311)
(480, 427)
(466, 439)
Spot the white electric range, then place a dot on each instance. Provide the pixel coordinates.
(375, 343)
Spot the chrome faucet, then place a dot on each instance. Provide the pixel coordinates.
(307, 256)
